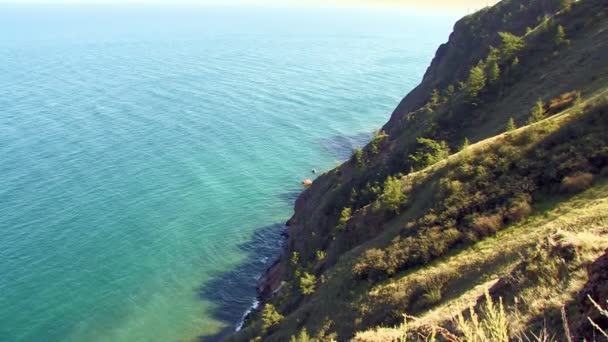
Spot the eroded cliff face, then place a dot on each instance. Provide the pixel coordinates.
(469, 43)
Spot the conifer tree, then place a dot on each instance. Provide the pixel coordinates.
(515, 62)
(538, 112)
(560, 36)
(511, 45)
(270, 316)
(493, 72)
(511, 125)
(476, 81)
(392, 195)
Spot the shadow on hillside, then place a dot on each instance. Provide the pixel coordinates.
(290, 197)
(342, 146)
(232, 293)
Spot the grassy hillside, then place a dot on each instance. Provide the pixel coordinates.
(451, 200)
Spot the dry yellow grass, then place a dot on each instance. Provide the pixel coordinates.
(581, 222)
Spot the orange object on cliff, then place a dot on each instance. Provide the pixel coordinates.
(307, 182)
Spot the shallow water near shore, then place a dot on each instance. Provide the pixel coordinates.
(150, 157)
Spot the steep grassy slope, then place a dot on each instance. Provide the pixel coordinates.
(402, 228)
(539, 262)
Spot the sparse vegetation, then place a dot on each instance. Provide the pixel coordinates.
(376, 141)
(519, 215)
(492, 326)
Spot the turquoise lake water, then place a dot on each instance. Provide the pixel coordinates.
(149, 156)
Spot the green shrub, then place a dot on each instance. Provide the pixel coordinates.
(371, 263)
(487, 224)
(429, 152)
(450, 91)
(358, 156)
(392, 195)
(519, 208)
(434, 101)
(308, 283)
(321, 255)
(270, 316)
(432, 295)
(345, 216)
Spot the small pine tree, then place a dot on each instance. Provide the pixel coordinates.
(511, 125)
(577, 105)
(465, 144)
(511, 45)
(302, 337)
(379, 137)
(476, 81)
(560, 36)
(493, 72)
(392, 194)
(515, 63)
(538, 112)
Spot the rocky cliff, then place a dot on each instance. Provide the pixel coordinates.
(368, 239)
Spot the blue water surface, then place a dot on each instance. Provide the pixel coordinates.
(149, 155)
